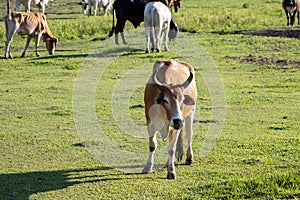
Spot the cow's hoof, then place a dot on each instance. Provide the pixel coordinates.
(38, 55)
(8, 56)
(147, 51)
(171, 176)
(189, 161)
(146, 170)
(179, 157)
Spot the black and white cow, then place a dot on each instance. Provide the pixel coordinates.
(133, 11)
(87, 6)
(291, 7)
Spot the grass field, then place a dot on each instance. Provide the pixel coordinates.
(73, 125)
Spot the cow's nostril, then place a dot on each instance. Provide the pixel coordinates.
(177, 121)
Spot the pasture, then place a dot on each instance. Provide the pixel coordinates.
(72, 125)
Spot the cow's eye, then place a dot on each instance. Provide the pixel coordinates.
(166, 101)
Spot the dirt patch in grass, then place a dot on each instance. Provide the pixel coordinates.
(285, 33)
(260, 60)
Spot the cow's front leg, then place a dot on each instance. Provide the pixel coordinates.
(173, 135)
(152, 147)
(189, 134)
(37, 44)
(179, 147)
(26, 46)
(287, 17)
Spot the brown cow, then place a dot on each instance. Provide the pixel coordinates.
(175, 3)
(32, 24)
(170, 102)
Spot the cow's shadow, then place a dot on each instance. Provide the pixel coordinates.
(22, 185)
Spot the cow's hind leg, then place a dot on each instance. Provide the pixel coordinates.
(166, 33)
(120, 29)
(158, 38)
(9, 36)
(147, 38)
(152, 147)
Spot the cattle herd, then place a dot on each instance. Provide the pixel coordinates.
(170, 94)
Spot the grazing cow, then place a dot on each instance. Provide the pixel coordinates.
(87, 5)
(291, 7)
(157, 18)
(175, 3)
(133, 11)
(41, 4)
(170, 102)
(27, 23)
(84, 5)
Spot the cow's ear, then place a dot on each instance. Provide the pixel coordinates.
(188, 100)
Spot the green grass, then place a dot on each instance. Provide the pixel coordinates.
(45, 155)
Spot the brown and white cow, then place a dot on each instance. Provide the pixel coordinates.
(41, 4)
(174, 3)
(170, 103)
(32, 24)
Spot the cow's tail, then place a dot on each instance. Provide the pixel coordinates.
(113, 23)
(8, 7)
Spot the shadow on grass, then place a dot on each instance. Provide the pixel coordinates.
(22, 185)
(282, 33)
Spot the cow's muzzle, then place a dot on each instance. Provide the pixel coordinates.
(177, 123)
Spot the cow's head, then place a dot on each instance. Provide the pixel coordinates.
(171, 97)
(50, 43)
(177, 5)
(173, 29)
(290, 2)
(84, 5)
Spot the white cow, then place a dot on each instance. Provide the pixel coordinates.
(41, 4)
(87, 5)
(157, 18)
